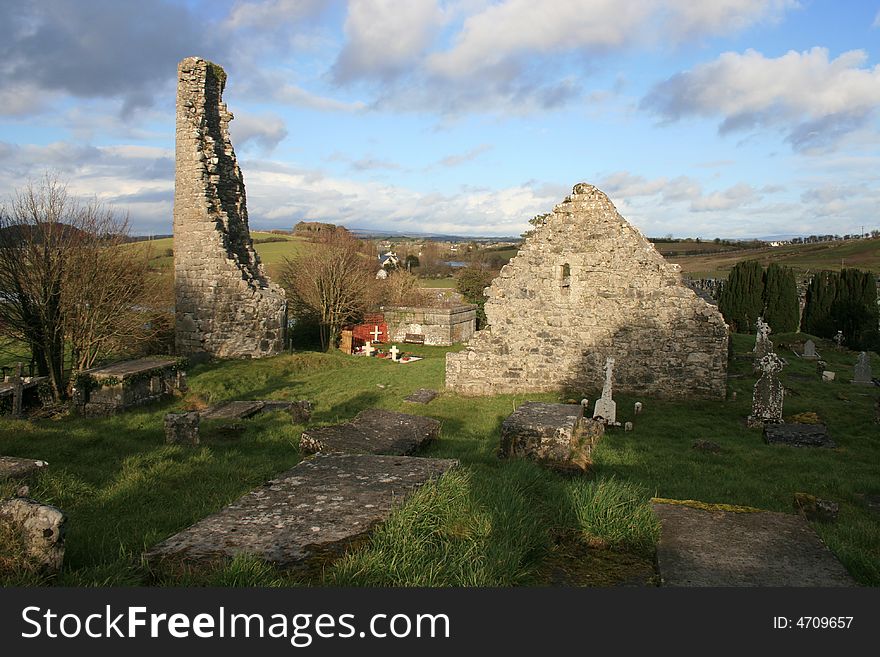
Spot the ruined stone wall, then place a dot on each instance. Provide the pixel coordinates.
(440, 326)
(587, 285)
(225, 304)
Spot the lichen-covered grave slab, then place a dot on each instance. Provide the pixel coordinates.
(373, 431)
(556, 435)
(300, 411)
(714, 547)
(313, 510)
(13, 467)
(798, 434)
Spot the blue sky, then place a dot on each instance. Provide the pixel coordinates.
(729, 118)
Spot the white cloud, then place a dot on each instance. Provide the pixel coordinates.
(384, 37)
(270, 14)
(266, 131)
(462, 158)
(876, 22)
(816, 98)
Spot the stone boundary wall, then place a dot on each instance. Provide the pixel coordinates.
(440, 326)
(585, 286)
(225, 304)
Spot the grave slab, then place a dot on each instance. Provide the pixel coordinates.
(312, 511)
(798, 434)
(723, 548)
(373, 431)
(300, 411)
(555, 435)
(13, 467)
(421, 396)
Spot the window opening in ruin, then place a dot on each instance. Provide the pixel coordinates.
(565, 275)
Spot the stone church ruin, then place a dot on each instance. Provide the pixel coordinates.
(585, 287)
(226, 306)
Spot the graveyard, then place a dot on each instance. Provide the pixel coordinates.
(604, 429)
(489, 521)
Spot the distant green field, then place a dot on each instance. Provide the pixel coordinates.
(437, 282)
(860, 254)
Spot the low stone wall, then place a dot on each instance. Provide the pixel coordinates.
(440, 326)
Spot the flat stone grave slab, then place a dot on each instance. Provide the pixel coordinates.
(13, 467)
(241, 410)
(798, 434)
(373, 431)
(421, 396)
(700, 547)
(233, 410)
(128, 368)
(312, 511)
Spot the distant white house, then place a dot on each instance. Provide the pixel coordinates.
(389, 260)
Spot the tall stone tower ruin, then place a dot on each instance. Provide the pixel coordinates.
(585, 286)
(225, 304)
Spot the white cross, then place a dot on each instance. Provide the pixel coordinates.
(376, 333)
(394, 351)
(369, 348)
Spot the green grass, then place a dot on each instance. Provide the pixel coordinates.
(491, 522)
(437, 282)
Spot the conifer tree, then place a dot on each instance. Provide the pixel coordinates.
(741, 300)
(820, 297)
(781, 308)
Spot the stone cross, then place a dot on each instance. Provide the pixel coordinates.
(606, 407)
(839, 339)
(810, 350)
(376, 333)
(369, 348)
(17, 392)
(862, 371)
(768, 393)
(394, 351)
(763, 345)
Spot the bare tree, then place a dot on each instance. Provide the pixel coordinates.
(401, 289)
(66, 284)
(332, 283)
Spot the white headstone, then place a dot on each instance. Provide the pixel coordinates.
(638, 407)
(827, 376)
(375, 333)
(369, 348)
(394, 351)
(606, 407)
(628, 426)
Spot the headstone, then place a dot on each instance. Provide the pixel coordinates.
(39, 528)
(810, 350)
(373, 431)
(768, 392)
(637, 407)
(555, 435)
(394, 351)
(839, 340)
(312, 512)
(17, 392)
(763, 345)
(820, 366)
(421, 396)
(862, 371)
(798, 434)
(628, 426)
(345, 342)
(585, 403)
(12, 467)
(816, 509)
(827, 376)
(733, 396)
(376, 333)
(369, 348)
(182, 428)
(606, 407)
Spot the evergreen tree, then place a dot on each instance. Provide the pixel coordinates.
(741, 300)
(820, 297)
(781, 308)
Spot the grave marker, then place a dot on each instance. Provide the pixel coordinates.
(862, 371)
(768, 393)
(606, 407)
(810, 350)
(394, 352)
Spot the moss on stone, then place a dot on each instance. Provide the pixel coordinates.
(218, 72)
(705, 506)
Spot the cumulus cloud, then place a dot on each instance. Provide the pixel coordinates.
(97, 48)
(383, 37)
(515, 55)
(270, 14)
(815, 98)
(265, 131)
(468, 156)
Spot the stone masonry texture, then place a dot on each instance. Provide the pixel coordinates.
(225, 304)
(585, 286)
